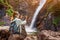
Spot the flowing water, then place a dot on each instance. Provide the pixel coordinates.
(41, 4)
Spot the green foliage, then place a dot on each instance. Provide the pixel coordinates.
(9, 9)
(9, 12)
(56, 20)
(2, 23)
(55, 9)
(1, 1)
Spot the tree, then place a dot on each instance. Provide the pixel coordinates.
(9, 9)
(5, 7)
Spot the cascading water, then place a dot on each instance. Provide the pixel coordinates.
(41, 4)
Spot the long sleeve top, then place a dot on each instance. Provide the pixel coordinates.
(19, 22)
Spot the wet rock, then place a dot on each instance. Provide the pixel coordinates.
(31, 38)
(15, 37)
(4, 34)
(48, 35)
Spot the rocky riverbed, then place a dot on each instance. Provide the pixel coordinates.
(48, 35)
(6, 35)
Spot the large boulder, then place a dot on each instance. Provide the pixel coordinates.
(4, 34)
(48, 35)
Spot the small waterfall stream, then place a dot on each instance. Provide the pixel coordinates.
(41, 4)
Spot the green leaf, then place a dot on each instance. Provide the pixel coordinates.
(9, 12)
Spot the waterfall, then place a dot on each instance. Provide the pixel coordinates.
(41, 4)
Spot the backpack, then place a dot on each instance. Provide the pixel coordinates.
(13, 27)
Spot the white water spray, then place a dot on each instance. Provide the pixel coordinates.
(41, 4)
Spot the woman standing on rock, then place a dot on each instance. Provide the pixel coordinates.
(16, 25)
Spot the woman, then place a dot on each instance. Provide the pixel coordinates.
(17, 26)
(17, 23)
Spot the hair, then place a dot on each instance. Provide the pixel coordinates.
(14, 15)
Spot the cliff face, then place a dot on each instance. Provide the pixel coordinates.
(40, 22)
(25, 7)
(45, 24)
